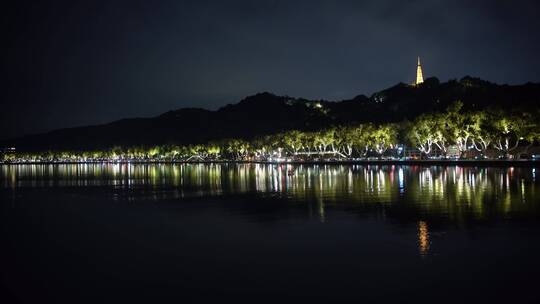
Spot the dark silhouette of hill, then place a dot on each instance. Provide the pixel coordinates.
(266, 113)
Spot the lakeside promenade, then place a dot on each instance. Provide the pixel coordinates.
(382, 162)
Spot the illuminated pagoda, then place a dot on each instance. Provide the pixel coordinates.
(419, 77)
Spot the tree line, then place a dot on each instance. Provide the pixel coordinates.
(430, 134)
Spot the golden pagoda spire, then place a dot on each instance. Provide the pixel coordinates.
(419, 76)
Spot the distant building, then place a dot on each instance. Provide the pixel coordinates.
(5, 153)
(453, 152)
(8, 150)
(419, 76)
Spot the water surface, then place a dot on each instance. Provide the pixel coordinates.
(257, 233)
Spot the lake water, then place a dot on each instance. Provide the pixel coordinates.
(194, 233)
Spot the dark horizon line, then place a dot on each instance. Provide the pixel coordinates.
(248, 96)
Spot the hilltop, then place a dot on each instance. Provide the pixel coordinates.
(266, 113)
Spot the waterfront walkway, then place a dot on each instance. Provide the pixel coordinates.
(446, 162)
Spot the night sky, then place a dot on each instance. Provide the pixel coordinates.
(72, 63)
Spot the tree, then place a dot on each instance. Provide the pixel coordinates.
(441, 133)
(310, 143)
(508, 130)
(362, 138)
(483, 130)
(345, 138)
(423, 132)
(293, 141)
(383, 137)
(530, 128)
(237, 148)
(324, 139)
(459, 126)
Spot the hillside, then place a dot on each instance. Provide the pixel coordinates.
(265, 113)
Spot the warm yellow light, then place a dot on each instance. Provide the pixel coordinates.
(423, 237)
(419, 76)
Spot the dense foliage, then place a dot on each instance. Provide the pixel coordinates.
(488, 134)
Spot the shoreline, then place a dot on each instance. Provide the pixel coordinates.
(464, 163)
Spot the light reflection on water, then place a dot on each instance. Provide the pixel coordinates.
(423, 238)
(443, 188)
(417, 193)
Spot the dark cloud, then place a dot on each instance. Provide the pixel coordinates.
(71, 63)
